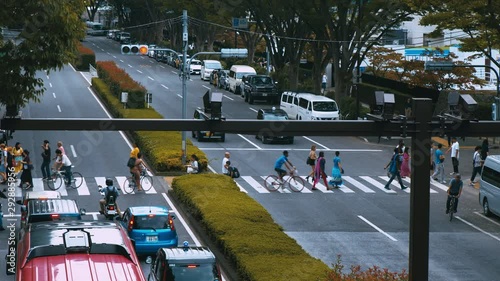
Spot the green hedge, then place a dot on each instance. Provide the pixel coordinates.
(163, 149)
(244, 231)
(85, 57)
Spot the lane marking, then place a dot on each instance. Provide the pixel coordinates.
(83, 189)
(142, 57)
(315, 142)
(129, 65)
(486, 218)
(395, 183)
(114, 57)
(319, 185)
(73, 150)
(164, 86)
(478, 228)
(149, 77)
(179, 95)
(254, 184)
(151, 61)
(206, 87)
(63, 190)
(357, 184)
(228, 97)
(297, 186)
(190, 79)
(181, 219)
(58, 108)
(377, 184)
(146, 184)
(139, 71)
(121, 181)
(240, 187)
(241, 136)
(439, 185)
(50, 84)
(409, 181)
(162, 66)
(289, 149)
(253, 109)
(38, 184)
(72, 67)
(48, 77)
(377, 228)
(342, 187)
(280, 189)
(108, 53)
(54, 95)
(174, 72)
(121, 61)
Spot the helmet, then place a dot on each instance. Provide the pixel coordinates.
(109, 182)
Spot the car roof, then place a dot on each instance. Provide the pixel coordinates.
(47, 194)
(276, 111)
(211, 61)
(50, 206)
(309, 96)
(146, 210)
(243, 68)
(189, 254)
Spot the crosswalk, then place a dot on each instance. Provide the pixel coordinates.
(89, 185)
(351, 184)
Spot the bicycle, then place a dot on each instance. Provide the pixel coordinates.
(58, 177)
(146, 181)
(294, 182)
(451, 206)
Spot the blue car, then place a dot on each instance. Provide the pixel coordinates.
(150, 228)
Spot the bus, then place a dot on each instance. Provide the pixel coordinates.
(95, 29)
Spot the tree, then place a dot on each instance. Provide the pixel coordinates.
(48, 40)
(91, 8)
(478, 19)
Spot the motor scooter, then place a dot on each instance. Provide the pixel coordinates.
(110, 208)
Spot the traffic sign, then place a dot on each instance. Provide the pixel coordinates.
(233, 53)
(439, 65)
(240, 23)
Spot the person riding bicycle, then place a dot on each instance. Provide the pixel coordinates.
(454, 189)
(109, 190)
(137, 170)
(283, 159)
(65, 164)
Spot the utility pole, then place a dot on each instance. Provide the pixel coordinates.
(184, 78)
(358, 63)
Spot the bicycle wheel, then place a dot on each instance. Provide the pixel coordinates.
(296, 183)
(128, 185)
(55, 181)
(146, 182)
(77, 179)
(452, 208)
(272, 183)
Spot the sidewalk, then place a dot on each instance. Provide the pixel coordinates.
(467, 144)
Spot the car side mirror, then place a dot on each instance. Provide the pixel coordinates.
(83, 211)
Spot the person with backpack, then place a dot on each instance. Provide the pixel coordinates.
(109, 190)
(232, 171)
(395, 168)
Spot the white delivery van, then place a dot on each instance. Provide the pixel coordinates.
(489, 190)
(236, 73)
(308, 106)
(207, 66)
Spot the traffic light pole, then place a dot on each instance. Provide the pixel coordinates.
(184, 78)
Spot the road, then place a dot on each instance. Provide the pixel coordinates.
(95, 154)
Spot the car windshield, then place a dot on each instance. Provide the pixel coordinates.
(262, 81)
(275, 117)
(324, 106)
(239, 75)
(148, 222)
(196, 62)
(213, 65)
(198, 272)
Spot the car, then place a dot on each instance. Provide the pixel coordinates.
(37, 195)
(207, 68)
(259, 87)
(185, 264)
(194, 66)
(150, 227)
(199, 113)
(151, 50)
(223, 79)
(42, 210)
(124, 38)
(111, 33)
(272, 114)
(76, 250)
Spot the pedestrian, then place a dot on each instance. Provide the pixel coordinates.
(324, 79)
(10, 161)
(432, 164)
(336, 180)
(3, 164)
(395, 168)
(477, 164)
(227, 155)
(485, 149)
(17, 152)
(405, 165)
(311, 161)
(193, 166)
(45, 160)
(455, 152)
(319, 171)
(408, 108)
(401, 146)
(26, 177)
(216, 79)
(439, 164)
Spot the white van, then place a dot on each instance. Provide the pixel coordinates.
(308, 106)
(236, 73)
(489, 190)
(207, 66)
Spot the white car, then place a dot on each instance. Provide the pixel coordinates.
(207, 67)
(194, 67)
(151, 51)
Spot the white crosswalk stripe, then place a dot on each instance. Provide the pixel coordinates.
(255, 185)
(342, 187)
(377, 184)
(280, 189)
(319, 186)
(125, 189)
(38, 184)
(395, 183)
(83, 189)
(357, 184)
(408, 180)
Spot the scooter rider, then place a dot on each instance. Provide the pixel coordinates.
(109, 191)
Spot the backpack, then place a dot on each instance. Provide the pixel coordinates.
(235, 172)
(112, 192)
(395, 163)
(131, 162)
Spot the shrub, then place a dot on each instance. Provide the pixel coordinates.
(119, 81)
(85, 57)
(372, 274)
(347, 107)
(163, 149)
(244, 231)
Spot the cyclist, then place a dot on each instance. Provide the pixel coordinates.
(109, 190)
(64, 163)
(454, 189)
(137, 170)
(283, 159)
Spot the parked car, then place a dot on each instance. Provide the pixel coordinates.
(272, 114)
(124, 38)
(185, 264)
(489, 190)
(111, 33)
(260, 87)
(151, 50)
(207, 68)
(194, 66)
(223, 79)
(151, 227)
(206, 135)
(235, 74)
(308, 106)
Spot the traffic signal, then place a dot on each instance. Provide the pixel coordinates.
(134, 49)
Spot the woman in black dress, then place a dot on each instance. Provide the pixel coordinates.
(26, 177)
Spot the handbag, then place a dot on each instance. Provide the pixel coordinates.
(342, 170)
(30, 166)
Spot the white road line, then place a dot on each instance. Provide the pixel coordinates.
(139, 71)
(289, 149)
(58, 108)
(83, 189)
(342, 187)
(108, 53)
(240, 187)
(121, 61)
(179, 95)
(377, 228)
(478, 228)
(228, 97)
(73, 150)
(50, 84)
(146, 184)
(162, 66)
(114, 57)
(151, 61)
(253, 109)
(486, 218)
(357, 184)
(102, 181)
(395, 183)
(258, 147)
(94, 216)
(315, 142)
(206, 87)
(54, 95)
(120, 181)
(149, 77)
(255, 185)
(38, 184)
(72, 67)
(129, 65)
(63, 190)
(48, 77)
(190, 79)
(280, 189)
(408, 180)
(181, 219)
(377, 184)
(439, 185)
(319, 185)
(296, 185)
(142, 57)
(93, 44)
(174, 72)
(164, 86)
